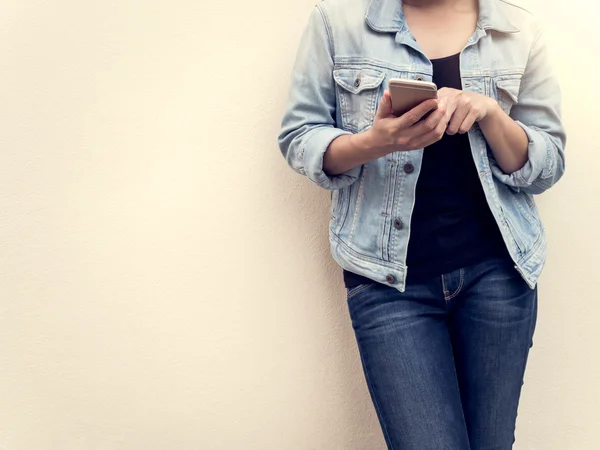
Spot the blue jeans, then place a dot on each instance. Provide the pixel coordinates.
(444, 361)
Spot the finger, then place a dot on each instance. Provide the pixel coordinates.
(451, 96)
(468, 123)
(431, 122)
(457, 119)
(445, 92)
(432, 136)
(450, 110)
(385, 106)
(448, 93)
(411, 117)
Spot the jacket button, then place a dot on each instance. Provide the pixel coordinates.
(409, 167)
(357, 82)
(398, 224)
(391, 279)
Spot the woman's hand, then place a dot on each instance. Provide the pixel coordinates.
(506, 138)
(465, 108)
(390, 133)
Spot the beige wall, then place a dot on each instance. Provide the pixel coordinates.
(165, 281)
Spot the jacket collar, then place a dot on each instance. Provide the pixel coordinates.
(388, 16)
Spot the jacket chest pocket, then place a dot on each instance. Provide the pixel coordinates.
(506, 91)
(357, 92)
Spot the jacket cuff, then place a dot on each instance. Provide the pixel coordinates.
(537, 160)
(314, 150)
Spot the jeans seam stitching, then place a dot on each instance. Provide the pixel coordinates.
(444, 290)
(359, 289)
(460, 285)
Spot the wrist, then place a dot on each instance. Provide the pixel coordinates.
(367, 143)
(492, 112)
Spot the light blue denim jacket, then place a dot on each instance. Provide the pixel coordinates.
(348, 52)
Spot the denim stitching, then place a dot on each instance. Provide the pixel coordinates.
(327, 29)
(395, 185)
(444, 290)
(345, 194)
(397, 193)
(358, 289)
(359, 197)
(458, 289)
(371, 259)
(344, 110)
(385, 255)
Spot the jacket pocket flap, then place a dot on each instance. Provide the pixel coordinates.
(358, 80)
(510, 87)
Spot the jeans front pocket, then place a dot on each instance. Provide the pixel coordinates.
(358, 93)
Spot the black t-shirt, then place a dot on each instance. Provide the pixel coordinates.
(451, 224)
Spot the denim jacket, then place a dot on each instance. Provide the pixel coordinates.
(348, 52)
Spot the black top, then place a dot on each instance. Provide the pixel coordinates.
(451, 224)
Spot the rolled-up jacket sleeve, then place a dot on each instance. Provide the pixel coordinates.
(538, 112)
(309, 125)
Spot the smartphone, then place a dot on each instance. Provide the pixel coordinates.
(406, 94)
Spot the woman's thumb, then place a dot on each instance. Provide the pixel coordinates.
(385, 105)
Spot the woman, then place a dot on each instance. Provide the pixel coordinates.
(432, 218)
